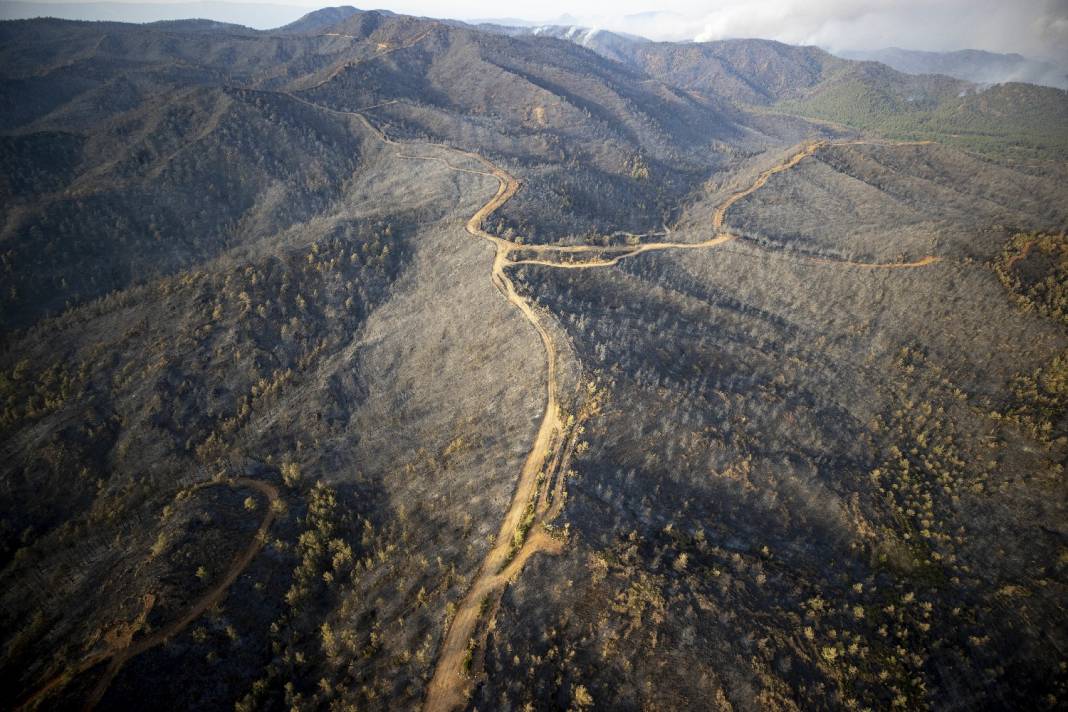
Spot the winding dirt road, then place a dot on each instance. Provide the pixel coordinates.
(720, 234)
(449, 686)
(119, 656)
(525, 528)
(721, 212)
(513, 547)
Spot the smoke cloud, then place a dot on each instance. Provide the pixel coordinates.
(1034, 28)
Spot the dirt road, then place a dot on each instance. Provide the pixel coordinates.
(120, 656)
(525, 528)
(449, 686)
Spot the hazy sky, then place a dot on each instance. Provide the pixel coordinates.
(1036, 28)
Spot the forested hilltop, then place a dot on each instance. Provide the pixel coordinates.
(380, 362)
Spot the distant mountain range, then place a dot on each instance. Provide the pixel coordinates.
(909, 103)
(972, 65)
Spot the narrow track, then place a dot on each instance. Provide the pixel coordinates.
(117, 657)
(449, 686)
(545, 464)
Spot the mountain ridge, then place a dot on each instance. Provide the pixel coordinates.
(978, 66)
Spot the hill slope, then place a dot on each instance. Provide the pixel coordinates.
(969, 64)
(387, 363)
(1011, 120)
